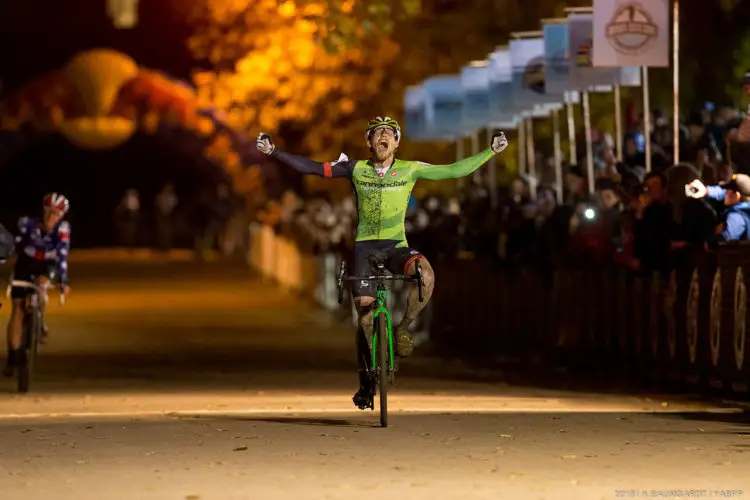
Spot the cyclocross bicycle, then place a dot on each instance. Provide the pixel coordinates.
(382, 369)
(31, 332)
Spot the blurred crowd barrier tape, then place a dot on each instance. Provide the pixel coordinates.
(136, 254)
(684, 329)
(278, 259)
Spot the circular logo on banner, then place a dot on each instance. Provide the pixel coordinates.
(533, 75)
(632, 30)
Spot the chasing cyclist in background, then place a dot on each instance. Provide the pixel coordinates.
(42, 248)
(383, 185)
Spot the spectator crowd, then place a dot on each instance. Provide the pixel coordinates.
(630, 218)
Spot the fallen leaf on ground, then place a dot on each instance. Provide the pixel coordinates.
(241, 448)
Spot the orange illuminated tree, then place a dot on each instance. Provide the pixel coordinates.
(275, 62)
(324, 67)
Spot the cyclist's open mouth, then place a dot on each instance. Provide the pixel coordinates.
(383, 144)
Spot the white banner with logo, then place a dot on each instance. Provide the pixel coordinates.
(631, 33)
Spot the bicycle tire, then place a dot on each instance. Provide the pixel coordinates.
(30, 344)
(383, 343)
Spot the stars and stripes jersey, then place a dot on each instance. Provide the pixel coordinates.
(52, 248)
(383, 194)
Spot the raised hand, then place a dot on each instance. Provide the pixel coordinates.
(695, 189)
(265, 144)
(498, 142)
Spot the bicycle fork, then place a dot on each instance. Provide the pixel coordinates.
(389, 337)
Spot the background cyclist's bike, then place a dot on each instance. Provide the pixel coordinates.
(382, 368)
(31, 331)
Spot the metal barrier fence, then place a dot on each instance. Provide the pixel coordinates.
(280, 261)
(687, 327)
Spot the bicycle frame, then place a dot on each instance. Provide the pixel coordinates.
(381, 307)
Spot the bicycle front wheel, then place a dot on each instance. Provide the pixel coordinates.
(383, 342)
(31, 332)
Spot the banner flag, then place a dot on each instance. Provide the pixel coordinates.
(631, 33)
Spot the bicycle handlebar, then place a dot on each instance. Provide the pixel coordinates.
(25, 284)
(387, 277)
(416, 278)
(29, 284)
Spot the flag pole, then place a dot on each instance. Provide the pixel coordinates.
(589, 145)
(522, 146)
(618, 122)
(676, 78)
(475, 151)
(571, 130)
(558, 154)
(460, 156)
(647, 117)
(492, 174)
(531, 156)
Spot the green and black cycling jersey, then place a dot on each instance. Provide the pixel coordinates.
(382, 199)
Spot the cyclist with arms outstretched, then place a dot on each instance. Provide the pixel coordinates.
(383, 185)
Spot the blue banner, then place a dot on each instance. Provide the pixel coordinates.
(529, 80)
(630, 76)
(414, 113)
(501, 92)
(555, 56)
(444, 100)
(475, 83)
(582, 74)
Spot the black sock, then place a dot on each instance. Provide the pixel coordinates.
(12, 356)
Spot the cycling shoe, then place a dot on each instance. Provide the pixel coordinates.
(364, 398)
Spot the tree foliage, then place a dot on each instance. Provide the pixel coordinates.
(276, 62)
(316, 70)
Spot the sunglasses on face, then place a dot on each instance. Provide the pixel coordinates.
(384, 131)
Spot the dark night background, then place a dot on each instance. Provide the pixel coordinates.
(93, 180)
